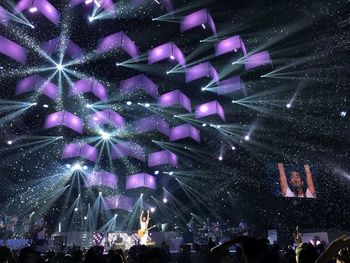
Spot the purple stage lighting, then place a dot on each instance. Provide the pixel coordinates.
(168, 50)
(151, 123)
(4, 18)
(43, 6)
(210, 108)
(101, 178)
(231, 85)
(201, 70)
(85, 151)
(118, 202)
(199, 18)
(53, 46)
(184, 131)
(258, 59)
(89, 85)
(106, 117)
(229, 45)
(139, 82)
(13, 50)
(140, 180)
(125, 149)
(37, 82)
(162, 158)
(118, 40)
(175, 97)
(64, 118)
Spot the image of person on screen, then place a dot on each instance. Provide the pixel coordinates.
(296, 187)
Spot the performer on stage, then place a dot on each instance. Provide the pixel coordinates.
(143, 232)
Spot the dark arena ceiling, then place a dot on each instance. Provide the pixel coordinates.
(293, 110)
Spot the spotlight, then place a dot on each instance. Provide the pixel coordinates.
(105, 135)
(100, 193)
(203, 89)
(77, 166)
(235, 50)
(32, 26)
(76, 209)
(128, 103)
(156, 172)
(233, 148)
(59, 67)
(115, 215)
(9, 142)
(147, 105)
(85, 167)
(87, 2)
(141, 194)
(117, 64)
(165, 200)
(88, 105)
(171, 173)
(233, 101)
(45, 106)
(218, 126)
(68, 165)
(220, 158)
(289, 105)
(85, 217)
(153, 209)
(172, 57)
(203, 25)
(34, 103)
(247, 137)
(343, 114)
(91, 19)
(204, 124)
(33, 9)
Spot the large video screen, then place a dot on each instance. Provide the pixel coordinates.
(293, 180)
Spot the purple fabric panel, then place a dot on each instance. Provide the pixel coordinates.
(138, 152)
(115, 119)
(101, 178)
(13, 50)
(136, 83)
(4, 18)
(211, 24)
(214, 74)
(22, 5)
(120, 150)
(184, 131)
(209, 108)
(173, 98)
(198, 71)
(135, 181)
(99, 90)
(73, 3)
(89, 152)
(257, 60)
(52, 46)
(161, 158)
(80, 86)
(150, 181)
(130, 47)
(48, 10)
(150, 87)
(193, 20)
(150, 123)
(160, 53)
(179, 56)
(119, 202)
(27, 84)
(71, 150)
(168, 4)
(50, 90)
(110, 42)
(73, 122)
(108, 5)
(227, 45)
(140, 180)
(244, 48)
(230, 85)
(74, 51)
(54, 119)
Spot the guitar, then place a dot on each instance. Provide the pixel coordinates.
(141, 233)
